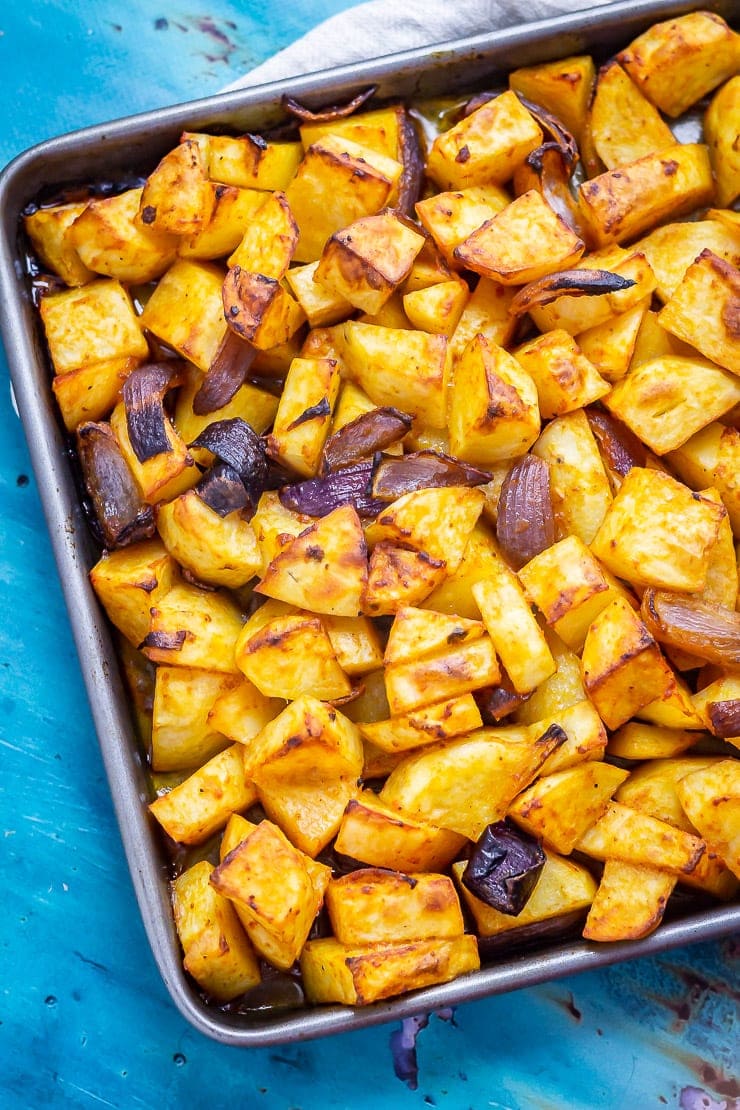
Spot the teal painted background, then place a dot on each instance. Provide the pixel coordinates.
(84, 1018)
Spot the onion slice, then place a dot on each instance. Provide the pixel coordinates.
(555, 129)
(504, 867)
(120, 513)
(331, 112)
(369, 432)
(546, 169)
(525, 524)
(143, 398)
(571, 283)
(320, 496)
(236, 443)
(225, 375)
(710, 632)
(619, 445)
(223, 490)
(422, 470)
(412, 160)
(724, 717)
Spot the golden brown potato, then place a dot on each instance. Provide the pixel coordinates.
(290, 654)
(579, 485)
(629, 903)
(622, 203)
(250, 162)
(49, 232)
(624, 125)
(259, 309)
(366, 261)
(671, 249)
(109, 240)
(270, 239)
(565, 378)
(91, 325)
(408, 369)
(377, 906)
(217, 952)
(426, 725)
(380, 836)
(485, 147)
(677, 62)
(720, 132)
(657, 533)
(162, 476)
(358, 975)
(128, 582)
(516, 635)
(233, 209)
(303, 414)
(450, 217)
(186, 311)
(191, 627)
(218, 550)
(493, 409)
(559, 808)
(203, 803)
(183, 735)
(398, 577)
(563, 87)
(634, 837)
(525, 241)
(177, 198)
(703, 310)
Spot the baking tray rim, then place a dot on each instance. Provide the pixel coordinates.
(72, 546)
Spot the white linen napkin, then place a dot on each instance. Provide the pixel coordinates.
(386, 26)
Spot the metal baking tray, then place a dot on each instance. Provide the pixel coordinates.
(115, 152)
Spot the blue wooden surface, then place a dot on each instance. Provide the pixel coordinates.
(84, 1017)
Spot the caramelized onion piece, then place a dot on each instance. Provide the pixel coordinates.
(724, 717)
(369, 432)
(619, 445)
(571, 283)
(421, 470)
(120, 513)
(526, 522)
(235, 442)
(412, 160)
(143, 397)
(225, 375)
(321, 408)
(547, 170)
(555, 129)
(319, 496)
(504, 867)
(710, 632)
(332, 112)
(223, 490)
(497, 702)
(165, 641)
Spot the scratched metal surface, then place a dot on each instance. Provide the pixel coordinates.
(84, 1017)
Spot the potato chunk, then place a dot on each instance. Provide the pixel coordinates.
(203, 803)
(407, 369)
(91, 325)
(563, 87)
(191, 627)
(129, 581)
(177, 197)
(324, 569)
(182, 733)
(525, 241)
(358, 975)
(623, 667)
(624, 124)
(494, 413)
(451, 217)
(633, 837)
(666, 400)
(565, 378)
(658, 533)
(703, 310)
(560, 807)
(677, 62)
(290, 654)
(337, 182)
(186, 311)
(467, 783)
(49, 232)
(277, 889)
(365, 261)
(303, 415)
(380, 836)
(622, 203)
(217, 952)
(720, 130)
(485, 147)
(374, 906)
(110, 241)
(220, 551)
(629, 903)
(711, 800)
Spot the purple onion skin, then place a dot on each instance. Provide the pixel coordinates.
(504, 867)
(526, 521)
(120, 514)
(394, 477)
(236, 443)
(143, 398)
(223, 490)
(226, 374)
(320, 496)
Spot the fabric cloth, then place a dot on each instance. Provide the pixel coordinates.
(387, 26)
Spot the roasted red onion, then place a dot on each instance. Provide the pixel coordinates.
(724, 717)
(412, 160)
(369, 432)
(421, 470)
(319, 496)
(225, 375)
(143, 398)
(235, 442)
(571, 283)
(619, 445)
(710, 632)
(504, 867)
(223, 490)
(332, 112)
(120, 513)
(525, 524)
